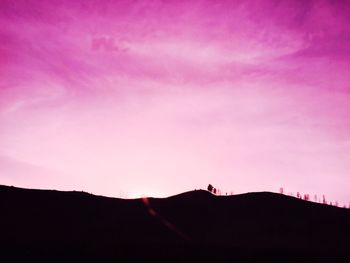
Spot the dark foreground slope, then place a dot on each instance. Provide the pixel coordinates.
(58, 226)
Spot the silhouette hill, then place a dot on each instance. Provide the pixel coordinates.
(76, 226)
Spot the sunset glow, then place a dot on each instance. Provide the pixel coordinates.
(154, 98)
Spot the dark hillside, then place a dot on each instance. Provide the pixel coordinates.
(68, 226)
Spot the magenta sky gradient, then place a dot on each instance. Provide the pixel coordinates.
(130, 98)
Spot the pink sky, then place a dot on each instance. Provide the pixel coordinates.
(133, 98)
